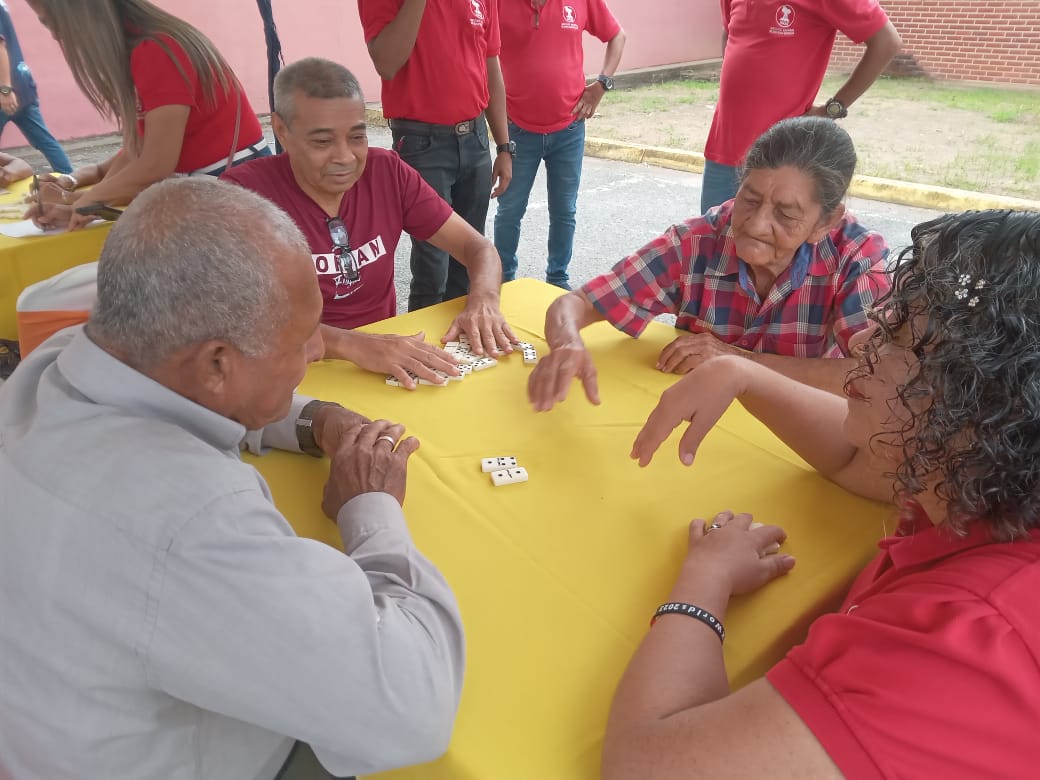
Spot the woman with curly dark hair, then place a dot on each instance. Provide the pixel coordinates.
(932, 667)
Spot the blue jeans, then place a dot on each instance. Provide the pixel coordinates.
(458, 167)
(29, 120)
(718, 185)
(562, 152)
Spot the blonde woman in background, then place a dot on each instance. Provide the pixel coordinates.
(180, 107)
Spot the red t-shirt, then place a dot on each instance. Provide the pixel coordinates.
(388, 198)
(775, 60)
(211, 128)
(931, 668)
(444, 81)
(544, 67)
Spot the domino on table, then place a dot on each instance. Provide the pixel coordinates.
(393, 381)
(528, 351)
(509, 476)
(488, 465)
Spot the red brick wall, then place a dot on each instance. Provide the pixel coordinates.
(984, 40)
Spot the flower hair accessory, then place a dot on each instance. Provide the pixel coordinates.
(968, 287)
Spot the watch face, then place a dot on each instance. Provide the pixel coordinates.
(835, 110)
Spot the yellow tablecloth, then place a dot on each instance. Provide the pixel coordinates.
(25, 261)
(557, 578)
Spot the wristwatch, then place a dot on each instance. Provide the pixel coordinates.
(606, 81)
(6, 89)
(305, 427)
(510, 147)
(836, 109)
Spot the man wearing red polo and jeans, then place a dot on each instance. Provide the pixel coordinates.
(548, 102)
(775, 55)
(439, 64)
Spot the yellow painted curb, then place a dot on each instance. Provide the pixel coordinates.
(906, 193)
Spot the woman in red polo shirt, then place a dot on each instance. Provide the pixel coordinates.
(179, 105)
(932, 667)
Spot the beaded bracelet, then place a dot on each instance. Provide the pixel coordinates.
(702, 615)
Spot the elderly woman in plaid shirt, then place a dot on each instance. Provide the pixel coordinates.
(781, 275)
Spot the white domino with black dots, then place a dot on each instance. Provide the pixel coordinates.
(509, 476)
(504, 470)
(468, 363)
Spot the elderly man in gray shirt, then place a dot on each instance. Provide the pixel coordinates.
(160, 618)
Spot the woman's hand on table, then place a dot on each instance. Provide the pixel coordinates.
(688, 351)
(372, 458)
(49, 216)
(550, 381)
(700, 398)
(739, 552)
(484, 326)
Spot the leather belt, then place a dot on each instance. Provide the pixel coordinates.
(426, 128)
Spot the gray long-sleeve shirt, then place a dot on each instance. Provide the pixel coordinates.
(160, 619)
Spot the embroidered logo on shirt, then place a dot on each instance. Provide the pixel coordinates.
(784, 21)
(569, 18)
(330, 265)
(477, 9)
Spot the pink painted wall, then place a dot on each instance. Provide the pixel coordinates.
(660, 32)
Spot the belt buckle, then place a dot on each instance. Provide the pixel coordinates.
(464, 128)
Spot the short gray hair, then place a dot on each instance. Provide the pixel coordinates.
(817, 147)
(193, 259)
(313, 77)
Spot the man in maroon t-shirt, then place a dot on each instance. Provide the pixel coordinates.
(352, 204)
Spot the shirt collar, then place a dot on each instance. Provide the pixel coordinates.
(107, 381)
(809, 259)
(919, 542)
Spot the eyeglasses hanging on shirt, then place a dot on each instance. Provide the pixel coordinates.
(345, 259)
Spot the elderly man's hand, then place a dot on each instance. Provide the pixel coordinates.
(397, 355)
(690, 350)
(333, 425)
(372, 458)
(701, 397)
(738, 551)
(551, 378)
(484, 325)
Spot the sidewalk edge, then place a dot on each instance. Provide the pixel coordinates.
(870, 187)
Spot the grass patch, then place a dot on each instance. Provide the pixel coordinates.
(1028, 164)
(999, 104)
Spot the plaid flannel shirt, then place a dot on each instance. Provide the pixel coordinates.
(692, 271)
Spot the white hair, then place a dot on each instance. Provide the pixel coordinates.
(193, 259)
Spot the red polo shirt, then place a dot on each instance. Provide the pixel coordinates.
(932, 668)
(544, 67)
(444, 81)
(775, 59)
(210, 131)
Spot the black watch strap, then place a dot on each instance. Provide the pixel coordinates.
(509, 146)
(305, 427)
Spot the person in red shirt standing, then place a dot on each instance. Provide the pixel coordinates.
(440, 69)
(774, 58)
(179, 105)
(352, 203)
(931, 669)
(548, 102)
